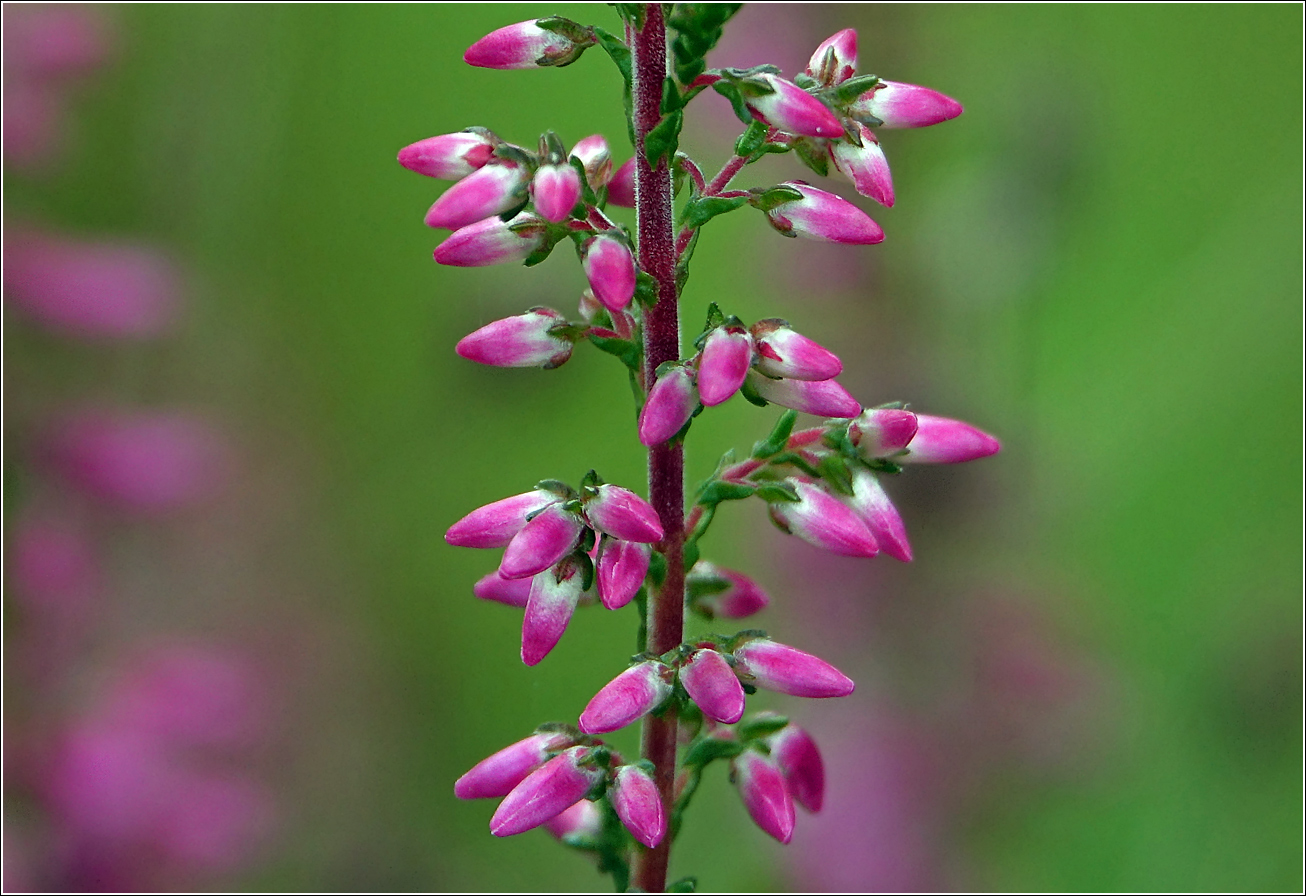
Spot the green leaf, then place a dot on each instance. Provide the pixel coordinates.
(718, 490)
(699, 211)
(774, 443)
(777, 492)
(709, 749)
(691, 555)
(751, 140)
(646, 289)
(761, 726)
(730, 91)
(834, 470)
(670, 97)
(657, 569)
(697, 28)
(664, 138)
(813, 155)
(765, 200)
(626, 351)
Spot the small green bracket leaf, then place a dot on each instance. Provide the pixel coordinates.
(774, 443)
(718, 490)
(849, 90)
(777, 493)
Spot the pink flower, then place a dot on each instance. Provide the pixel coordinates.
(595, 159)
(787, 670)
(553, 598)
(521, 341)
(865, 166)
(795, 753)
(783, 353)
(91, 290)
(725, 593)
(631, 695)
(546, 538)
(940, 440)
(762, 787)
(610, 269)
(622, 567)
(448, 156)
(824, 216)
(496, 524)
(512, 592)
(621, 189)
(623, 514)
(497, 775)
(727, 356)
(638, 804)
(492, 241)
(548, 791)
(579, 825)
(882, 432)
(793, 110)
(524, 45)
(824, 521)
(671, 402)
(880, 516)
(490, 190)
(215, 821)
(835, 60)
(899, 105)
(713, 686)
(824, 398)
(556, 190)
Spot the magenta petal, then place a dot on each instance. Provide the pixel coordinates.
(880, 516)
(762, 787)
(713, 686)
(594, 157)
(741, 597)
(788, 670)
(491, 241)
(824, 216)
(901, 105)
(781, 352)
(448, 156)
(824, 521)
(882, 432)
(794, 110)
(940, 440)
(610, 269)
(511, 592)
(632, 694)
(497, 775)
(621, 189)
(495, 525)
(520, 341)
(547, 538)
(866, 166)
(523, 45)
(548, 791)
(556, 190)
(824, 398)
(670, 404)
(638, 804)
(486, 192)
(835, 60)
(553, 598)
(623, 514)
(623, 565)
(582, 822)
(727, 355)
(794, 751)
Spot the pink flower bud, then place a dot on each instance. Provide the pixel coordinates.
(495, 525)
(512, 592)
(835, 60)
(794, 751)
(595, 159)
(521, 341)
(448, 156)
(623, 514)
(787, 670)
(623, 566)
(793, 110)
(91, 290)
(638, 804)
(905, 105)
(824, 216)
(582, 823)
(543, 541)
(553, 598)
(497, 775)
(670, 404)
(880, 516)
(741, 596)
(865, 166)
(621, 189)
(556, 190)
(548, 791)
(762, 787)
(524, 45)
(940, 440)
(631, 695)
(713, 686)
(727, 355)
(491, 241)
(783, 353)
(882, 432)
(824, 398)
(610, 269)
(824, 521)
(486, 192)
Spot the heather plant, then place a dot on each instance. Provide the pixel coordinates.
(572, 544)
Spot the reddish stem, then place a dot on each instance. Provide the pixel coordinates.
(665, 614)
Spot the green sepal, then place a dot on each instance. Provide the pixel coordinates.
(719, 490)
(586, 565)
(774, 443)
(587, 194)
(777, 492)
(834, 470)
(805, 81)
(881, 465)
(626, 351)
(709, 749)
(772, 197)
(664, 138)
(591, 480)
(761, 726)
(751, 140)
(557, 487)
(573, 31)
(849, 90)
(750, 394)
(813, 155)
(730, 91)
(698, 212)
(795, 459)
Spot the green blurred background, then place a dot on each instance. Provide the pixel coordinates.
(1100, 262)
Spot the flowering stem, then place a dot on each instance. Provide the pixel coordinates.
(664, 618)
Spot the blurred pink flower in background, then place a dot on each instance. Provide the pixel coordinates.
(91, 289)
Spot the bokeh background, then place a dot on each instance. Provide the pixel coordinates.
(238, 652)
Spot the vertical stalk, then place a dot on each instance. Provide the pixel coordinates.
(666, 462)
